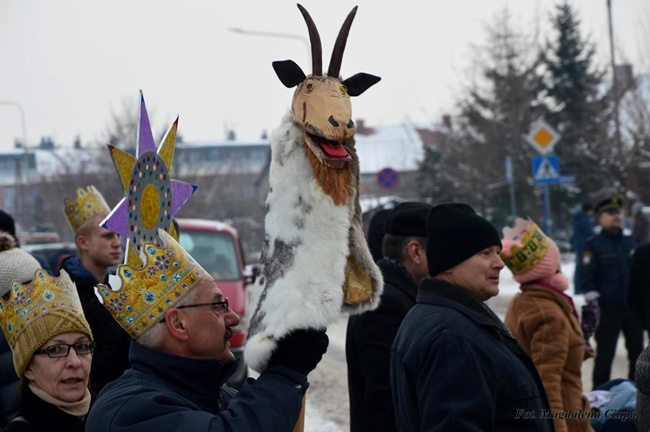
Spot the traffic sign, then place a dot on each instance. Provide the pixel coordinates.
(387, 178)
(542, 137)
(546, 170)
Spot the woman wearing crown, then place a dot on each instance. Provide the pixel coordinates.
(51, 342)
(544, 321)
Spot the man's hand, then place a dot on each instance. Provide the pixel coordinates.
(301, 350)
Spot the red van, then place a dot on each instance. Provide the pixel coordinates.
(216, 247)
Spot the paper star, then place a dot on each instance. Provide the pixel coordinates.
(151, 197)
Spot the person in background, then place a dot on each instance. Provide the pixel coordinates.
(9, 381)
(641, 225)
(583, 228)
(180, 358)
(99, 249)
(51, 342)
(454, 364)
(605, 271)
(543, 319)
(376, 233)
(371, 334)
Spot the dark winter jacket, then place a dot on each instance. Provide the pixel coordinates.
(583, 228)
(9, 383)
(111, 356)
(164, 393)
(367, 347)
(455, 367)
(605, 267)
(40, 416)
(639, 286)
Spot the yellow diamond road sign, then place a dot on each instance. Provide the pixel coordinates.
(542, 137)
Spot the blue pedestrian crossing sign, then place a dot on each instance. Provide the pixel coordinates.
(546, 170)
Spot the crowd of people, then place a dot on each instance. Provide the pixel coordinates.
(81, 353)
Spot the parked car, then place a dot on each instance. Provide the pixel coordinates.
(216, 247)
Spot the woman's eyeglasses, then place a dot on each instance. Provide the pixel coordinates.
(62, 350)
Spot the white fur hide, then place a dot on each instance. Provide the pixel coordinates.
(302, 268)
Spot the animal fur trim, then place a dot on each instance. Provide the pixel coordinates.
(308, 246)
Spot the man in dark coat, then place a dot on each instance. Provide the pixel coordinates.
(371, 334)
(605, 270)
(454, 364)
(180, 358)
(583, 228)
(639, 285)
(99, 249)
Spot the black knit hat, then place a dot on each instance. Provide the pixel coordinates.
(408, 218)
(376, 233)
(454, 233)
(7, 223)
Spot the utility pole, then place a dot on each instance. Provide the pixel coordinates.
(615, 90)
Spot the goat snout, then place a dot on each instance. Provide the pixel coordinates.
(333, 122)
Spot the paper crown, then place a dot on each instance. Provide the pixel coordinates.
(138, 297)
(44, 295)
(534, 243)
(88, 203)
(151, 196)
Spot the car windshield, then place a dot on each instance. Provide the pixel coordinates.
(215, 252)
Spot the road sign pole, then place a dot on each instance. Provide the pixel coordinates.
(546, 206)
(510, 178)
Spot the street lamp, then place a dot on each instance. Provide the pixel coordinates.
(275, 35)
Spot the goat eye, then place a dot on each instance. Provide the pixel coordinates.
(309, 87)
(344, 89)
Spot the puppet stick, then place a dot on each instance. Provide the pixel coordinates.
(300, 424)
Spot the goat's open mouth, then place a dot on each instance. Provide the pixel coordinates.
(328, 152)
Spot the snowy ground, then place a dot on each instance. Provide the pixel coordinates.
(327, 398)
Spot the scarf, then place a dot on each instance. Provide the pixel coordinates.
(77, 409)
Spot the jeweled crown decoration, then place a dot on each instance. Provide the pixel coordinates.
(88, 203)
(138, 297)
(43, 295)
(534, 246)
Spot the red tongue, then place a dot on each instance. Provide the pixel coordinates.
(333, 149)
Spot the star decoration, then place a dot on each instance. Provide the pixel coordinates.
(151, 197)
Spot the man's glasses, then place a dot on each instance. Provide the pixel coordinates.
(62, 350)
(220, 306)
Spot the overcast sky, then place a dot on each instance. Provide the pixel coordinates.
(71, 63)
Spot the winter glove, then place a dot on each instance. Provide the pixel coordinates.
(590, 318)
(300, 350)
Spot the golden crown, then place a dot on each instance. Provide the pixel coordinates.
(534, 242)
(138, 298)
(43, 295)
(88, 203)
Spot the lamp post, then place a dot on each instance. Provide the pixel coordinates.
(275, 35)
(19, 199)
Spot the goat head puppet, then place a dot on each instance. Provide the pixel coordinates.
(315, 261)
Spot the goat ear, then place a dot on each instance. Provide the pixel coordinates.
(289, 72)
(360, 82)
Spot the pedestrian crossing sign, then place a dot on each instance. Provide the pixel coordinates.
(546, 169)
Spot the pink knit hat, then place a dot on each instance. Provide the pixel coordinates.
(529, 253)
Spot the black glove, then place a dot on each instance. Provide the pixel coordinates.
(590, 318)
(300, 350)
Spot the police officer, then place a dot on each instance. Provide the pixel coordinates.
(605, 269)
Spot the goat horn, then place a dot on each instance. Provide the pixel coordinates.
(314, 39)
(339, 46)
